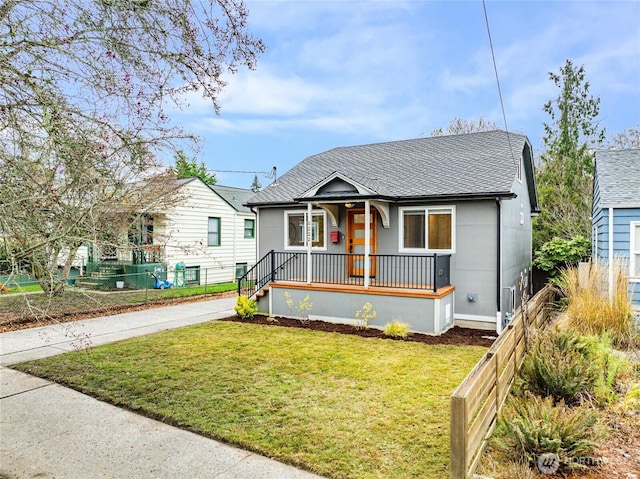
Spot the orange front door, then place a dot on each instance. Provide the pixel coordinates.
(356, 227)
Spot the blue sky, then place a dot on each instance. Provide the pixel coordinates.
(339, 73)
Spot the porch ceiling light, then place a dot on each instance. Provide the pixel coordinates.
(349, 205)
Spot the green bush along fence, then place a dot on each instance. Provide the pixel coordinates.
(476, 403)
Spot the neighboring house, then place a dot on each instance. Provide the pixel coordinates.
(428, 231)
(616, 213)
(208, 233)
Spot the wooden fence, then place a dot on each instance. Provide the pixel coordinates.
(475, 404)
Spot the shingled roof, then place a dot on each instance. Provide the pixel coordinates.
(236, 197)
(470, 165)
(618, 177)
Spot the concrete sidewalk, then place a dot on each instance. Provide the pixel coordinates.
(49, 431)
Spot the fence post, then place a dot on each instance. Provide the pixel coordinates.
(206, 279)
(459, 437)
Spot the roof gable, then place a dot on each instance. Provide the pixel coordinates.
(448, 166)
(336, 185)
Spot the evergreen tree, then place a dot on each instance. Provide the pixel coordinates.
(190, 168)
(256, 185)
(565, 175)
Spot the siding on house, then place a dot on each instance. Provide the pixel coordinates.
(616, 204)
(184, 231)
(473, 265)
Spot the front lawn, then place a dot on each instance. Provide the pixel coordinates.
(337, 405)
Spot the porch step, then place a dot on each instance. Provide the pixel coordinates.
(87, 283)
(263, 292)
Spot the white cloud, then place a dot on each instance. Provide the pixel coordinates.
(389, 71)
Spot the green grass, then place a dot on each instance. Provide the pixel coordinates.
(27, 288)
(25, 308)
(141, 295)
(337, 405)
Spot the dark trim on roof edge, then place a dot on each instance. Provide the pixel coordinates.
(404, 199)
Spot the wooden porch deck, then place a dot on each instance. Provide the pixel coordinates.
(375, 289)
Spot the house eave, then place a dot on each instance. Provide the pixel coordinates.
(342, 198)
(457, 197)
(618, 205)
(390, 199)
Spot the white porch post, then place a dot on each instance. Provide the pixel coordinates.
(367, 242)
(610, 261)
(309, 242)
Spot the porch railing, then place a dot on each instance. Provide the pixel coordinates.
(429, 272)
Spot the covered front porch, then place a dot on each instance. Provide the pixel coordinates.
(411, 288)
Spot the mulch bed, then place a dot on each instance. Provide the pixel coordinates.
(454, 336)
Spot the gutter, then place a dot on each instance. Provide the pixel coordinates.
(395, 199)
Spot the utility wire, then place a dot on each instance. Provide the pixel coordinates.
(495, 69)
(268, 174)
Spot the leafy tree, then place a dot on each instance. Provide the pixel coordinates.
(190, 168)
(566, 172)
(256, 185)
(84, 90)
(458, 126)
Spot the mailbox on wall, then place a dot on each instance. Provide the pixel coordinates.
(334, 237)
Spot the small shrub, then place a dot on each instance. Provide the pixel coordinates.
(561, 253)
(571, 368)
(531, 426)
(366, 314)
(245, 308)
(303, 309)
(632, 398)
(590, 309)
(396, 329)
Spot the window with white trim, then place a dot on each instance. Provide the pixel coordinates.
(296, 229)
(634, 253)
(427, 229)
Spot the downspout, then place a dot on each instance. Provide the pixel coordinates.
(499, 266)
(257, 235)
(235, 239)
(367, 242)
(309, 242)
(611, 263)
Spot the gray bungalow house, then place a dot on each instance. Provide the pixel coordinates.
(431, 231)
(616, 213)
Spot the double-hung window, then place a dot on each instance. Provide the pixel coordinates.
(634, 253)
(296, 231)
(249, 228)
(427, 229)
(213, 233)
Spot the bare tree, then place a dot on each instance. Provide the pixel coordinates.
(626, 139)
(84, 92)
(459, 126)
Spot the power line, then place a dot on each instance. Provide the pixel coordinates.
(495, 69)
(268, 174)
